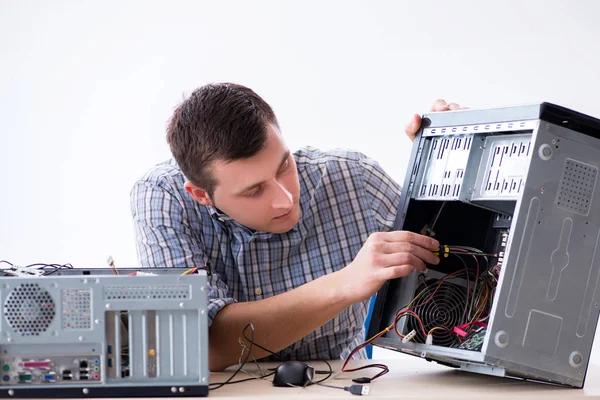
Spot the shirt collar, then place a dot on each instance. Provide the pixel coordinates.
(225, 219)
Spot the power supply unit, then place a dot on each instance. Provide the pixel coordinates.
(87, 333)
(509, 193)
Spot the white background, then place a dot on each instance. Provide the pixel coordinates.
(86, 88)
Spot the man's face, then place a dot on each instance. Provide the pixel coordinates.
(261, 192)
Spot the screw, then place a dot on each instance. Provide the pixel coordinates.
(86, 391)
(181, 389)
(173, 389)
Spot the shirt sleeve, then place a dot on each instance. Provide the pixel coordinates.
(165, 239)
(383, 192)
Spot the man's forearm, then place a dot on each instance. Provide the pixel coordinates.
(278, 321)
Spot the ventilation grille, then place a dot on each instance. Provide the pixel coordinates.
(146, 292)
(76, 312)
(576, 187)
(29, 309)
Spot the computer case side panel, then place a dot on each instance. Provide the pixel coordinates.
(545, 312)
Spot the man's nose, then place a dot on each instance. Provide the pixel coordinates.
(283, 198)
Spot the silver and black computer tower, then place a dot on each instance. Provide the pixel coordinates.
(93, 333)
(512, 196)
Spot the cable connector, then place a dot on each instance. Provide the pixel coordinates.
(410, 336)
(444, 250)
(429, 339)
(141, 273)
(359, 390)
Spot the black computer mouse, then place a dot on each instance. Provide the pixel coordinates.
(293, 373)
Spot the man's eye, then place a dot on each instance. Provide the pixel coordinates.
(285, 166)
(257, 192)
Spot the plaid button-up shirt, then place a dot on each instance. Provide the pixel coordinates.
(344, 197)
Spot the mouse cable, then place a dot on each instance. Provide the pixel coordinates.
(329, 373)
(318, 372)
(218, 385)
(253, 378)
(253, 343)
(359, 390)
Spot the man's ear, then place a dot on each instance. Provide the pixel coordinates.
(200, 195)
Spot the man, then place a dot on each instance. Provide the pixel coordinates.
(296, 242)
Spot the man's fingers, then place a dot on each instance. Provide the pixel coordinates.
(407, 259)
(442, 105)
(439, 105)
(411, 237)
(397, 271)
(413, 126)
(395, 251)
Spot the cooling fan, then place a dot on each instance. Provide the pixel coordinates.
(29, 309)
(438, 306)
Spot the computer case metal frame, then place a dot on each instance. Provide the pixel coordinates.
(166, 319)
(546, 306)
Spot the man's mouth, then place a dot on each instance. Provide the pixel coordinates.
(284, 216)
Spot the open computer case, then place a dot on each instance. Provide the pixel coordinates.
(512, 196)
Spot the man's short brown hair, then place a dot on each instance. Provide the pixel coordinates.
(218, 122)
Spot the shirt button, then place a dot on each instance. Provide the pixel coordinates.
(258, 291)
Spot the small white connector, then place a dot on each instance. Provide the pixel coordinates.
(429, 339)
(140, 273)
(410, 336)
(23, 271)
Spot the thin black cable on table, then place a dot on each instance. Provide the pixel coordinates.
(228, 381)
(330, 372)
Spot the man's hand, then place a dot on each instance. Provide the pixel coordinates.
(384, 256)
(412, 127)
